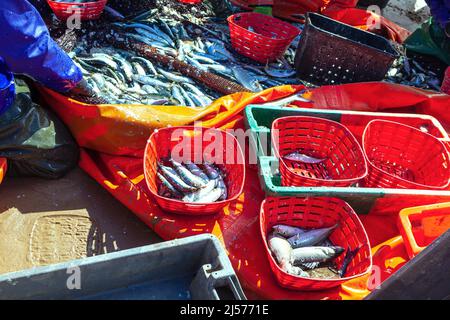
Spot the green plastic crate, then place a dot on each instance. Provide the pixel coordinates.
(364, 200)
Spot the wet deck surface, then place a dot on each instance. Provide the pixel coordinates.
(49, 221)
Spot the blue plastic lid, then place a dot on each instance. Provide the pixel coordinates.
(7, 87)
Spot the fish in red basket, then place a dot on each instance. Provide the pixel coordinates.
(190, 183)
(307, 252)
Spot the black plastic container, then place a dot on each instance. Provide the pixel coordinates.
(366, 3)
(331, 52)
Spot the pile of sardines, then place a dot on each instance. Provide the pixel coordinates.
(409, 72)
(122, 77)
(190, 182)
(308, 252)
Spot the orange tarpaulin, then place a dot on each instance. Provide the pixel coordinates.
(114, 137)
(124, 130)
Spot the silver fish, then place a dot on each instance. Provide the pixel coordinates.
(167, 38)
(287, 231)
(148, 65)
(247, 81)
(194, 169)
(173, 77)
(203, 58)
(280, 248)
(187, 176)
(314, 254)
(150, 81)
(196, 64)
(199, 195)
(210, 171)
(149, 89)
(102, 59)
(212, 196)
(174, 192)
(205, 101)
(138, 69)
(175, 180)
(187, 98)
(176, 92)
(311, 237)
(300, 157)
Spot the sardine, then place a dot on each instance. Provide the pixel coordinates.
(211, 172)
(212, 196)
(150, 81)
(174, 192)
(187, 176)
(149, 89)
(245, 79)
(173, 77)
(199, 195)
(194, 169)
(138, 69)
(203, 58)
(167, 29)
(300, 157)
(287, 231)
(311, 237)
(175, 180)
(187, 98)
(200, 95)
(314, 254)
(176, 93)
(280, 248)
(196, 64)
(148, 65)
(101, 59)
(167, 38)
(195, 99)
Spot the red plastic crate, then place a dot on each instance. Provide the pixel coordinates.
(88, 10)
(401, 156)
(269, 41)
(420, 226)
(193, 141)
(344, 162)
(317, 212)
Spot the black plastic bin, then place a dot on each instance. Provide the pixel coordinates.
(331, 52)
(367, 3)
(192, 268)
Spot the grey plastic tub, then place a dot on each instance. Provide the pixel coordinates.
(191, 268)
